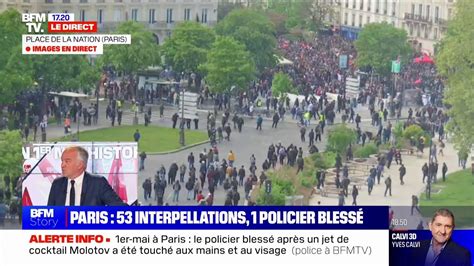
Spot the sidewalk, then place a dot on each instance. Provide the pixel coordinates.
(401, 195)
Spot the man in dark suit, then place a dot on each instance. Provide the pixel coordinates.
(79, 188)
(441, 250)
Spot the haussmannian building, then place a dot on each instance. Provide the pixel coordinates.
(424, 20)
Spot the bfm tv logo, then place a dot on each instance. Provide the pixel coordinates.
(43, 218)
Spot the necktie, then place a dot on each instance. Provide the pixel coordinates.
(72, 194)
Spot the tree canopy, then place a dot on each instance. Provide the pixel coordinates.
(379, 44)
(12, 79)
(141, 53)
(456, 62)
(188, 46)
(255, 31)
(228, 64)
(308, 15)
(11, 160)
(339, 138)
(281, 84)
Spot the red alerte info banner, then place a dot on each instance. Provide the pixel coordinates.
(72, 27)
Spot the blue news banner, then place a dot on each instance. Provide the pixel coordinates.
(189, 217)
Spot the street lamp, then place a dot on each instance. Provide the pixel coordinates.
(430, 173)
(181, 125)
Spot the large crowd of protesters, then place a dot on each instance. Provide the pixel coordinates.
(315, 72)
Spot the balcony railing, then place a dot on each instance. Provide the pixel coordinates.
(418, 18)
(442, 22)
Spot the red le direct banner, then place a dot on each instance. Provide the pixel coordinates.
(72, 27)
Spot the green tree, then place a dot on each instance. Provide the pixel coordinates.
(379, 44)
(456, 62)
(225, 7)
(140, 54)
(324, 160)
(308, 15)
(12, 79)
(255, 31)
(413, 131)
(11, 160)
(281, 84)
(339, 138)
(281, 188)
(188, 46)
(278, 20)
(228, 64)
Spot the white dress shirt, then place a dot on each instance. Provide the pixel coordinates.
(77, 189)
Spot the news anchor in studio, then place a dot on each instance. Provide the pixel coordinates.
(77, 187)
(441, 250)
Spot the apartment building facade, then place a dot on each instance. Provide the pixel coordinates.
(160, 16)
(424, 20)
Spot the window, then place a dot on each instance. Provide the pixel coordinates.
(368, 20)
(66, 1)
(385, 6)
(100, 15)
(135, 14)
(436, 14)
(346, 17)
(418, 31)
(353, 4)
(427, 33)
(82, 15)
(368, 5)
(204, 15)
(361, 4)
(48, 1)
(411, 29)
(117, 15)
(412, 9)
(360, 21)
(450, 13)
(435, 33)
(353, 20)
(83, 1)
(427, 12)
(169, 15)
(394, 8)
(347, 3)
(151, 16)
(187, 13)
(420, 10)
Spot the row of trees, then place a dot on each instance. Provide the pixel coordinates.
(241, 46)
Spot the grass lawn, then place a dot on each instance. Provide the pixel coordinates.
(154, 139)
(457, 193)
